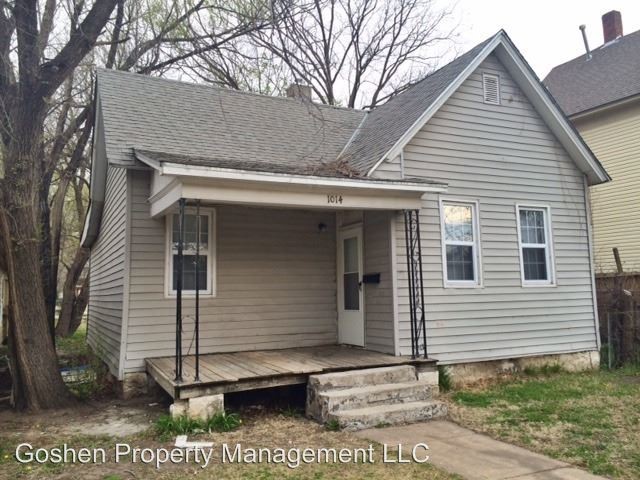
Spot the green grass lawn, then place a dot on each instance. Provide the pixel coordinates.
(588, 419)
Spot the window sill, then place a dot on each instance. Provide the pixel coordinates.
(462, 285)
(174, 296)
(538, 285)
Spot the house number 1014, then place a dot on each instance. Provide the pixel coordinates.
(336, 199)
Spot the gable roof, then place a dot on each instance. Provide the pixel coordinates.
(386, 124)
(218, 126)
(224, 128)
(522, 73)
(612, 74)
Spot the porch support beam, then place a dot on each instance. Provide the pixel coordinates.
(180, 272)
(290, 196)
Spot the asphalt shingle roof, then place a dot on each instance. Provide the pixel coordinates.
(612, 74)
(386, 124)
(219, 126)
(205, 125)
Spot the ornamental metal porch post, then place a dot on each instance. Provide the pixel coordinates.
(197, 327)
(416, 282)
(180, 272)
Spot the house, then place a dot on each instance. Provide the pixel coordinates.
(449, 224)
(600, 92)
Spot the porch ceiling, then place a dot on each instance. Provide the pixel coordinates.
(172, 181)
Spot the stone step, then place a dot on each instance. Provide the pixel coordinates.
(383, 415)
(361, 378)
(360, 397)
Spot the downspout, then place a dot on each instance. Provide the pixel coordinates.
(96, 203)
(594, 298)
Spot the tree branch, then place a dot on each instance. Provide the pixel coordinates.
(53, 73)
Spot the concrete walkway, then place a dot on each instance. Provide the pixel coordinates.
(475, 456)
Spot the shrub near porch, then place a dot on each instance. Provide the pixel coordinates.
(588, 419)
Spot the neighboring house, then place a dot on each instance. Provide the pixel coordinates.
(600, 92)
(463, 198)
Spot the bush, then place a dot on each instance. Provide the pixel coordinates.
(444, 378)
(167, 426)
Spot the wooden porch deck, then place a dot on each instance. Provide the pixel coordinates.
(239, 371)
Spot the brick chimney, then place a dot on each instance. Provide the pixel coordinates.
(299, 90)
(611, 25)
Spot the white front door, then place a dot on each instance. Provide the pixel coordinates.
(350, 292)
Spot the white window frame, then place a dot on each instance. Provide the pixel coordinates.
(548, 235)
(477, 282)
(211, 260)
(498, 86)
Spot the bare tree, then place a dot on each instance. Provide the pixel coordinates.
(45, 125)
(358, 52)
(24, 92)
(152, 37)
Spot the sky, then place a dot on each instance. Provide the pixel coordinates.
(545, 31)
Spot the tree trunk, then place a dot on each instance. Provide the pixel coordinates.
(71, 302)
(80, 305)
(37, 383)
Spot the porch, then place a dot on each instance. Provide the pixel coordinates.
(221, 373)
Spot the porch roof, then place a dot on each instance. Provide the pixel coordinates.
(189, 177)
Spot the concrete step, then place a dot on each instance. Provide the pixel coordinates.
(360, 397)
(361, 378)
(379, 415)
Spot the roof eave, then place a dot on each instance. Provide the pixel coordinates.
(180, 170)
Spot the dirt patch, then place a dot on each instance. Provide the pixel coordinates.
(113, 419)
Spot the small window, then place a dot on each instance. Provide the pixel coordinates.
(460, 255)
(491, 88)
(204, 257)
(534, 234)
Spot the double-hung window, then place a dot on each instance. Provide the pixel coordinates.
(206, 274)
(460, 243)
(536, 251)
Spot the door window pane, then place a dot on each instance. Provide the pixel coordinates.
(535, 263)
(460, 262)
(351, 254)
(351, 291)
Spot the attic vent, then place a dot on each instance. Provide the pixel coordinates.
(491, 88)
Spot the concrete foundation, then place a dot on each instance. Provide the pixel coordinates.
(468, 373)
(200, 408)
(134, 385)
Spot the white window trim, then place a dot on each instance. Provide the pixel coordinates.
(499, 95)
(477, 282)
(551, 268)
(211, 280)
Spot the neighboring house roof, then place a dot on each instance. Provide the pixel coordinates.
(612, 74)
(220, 126)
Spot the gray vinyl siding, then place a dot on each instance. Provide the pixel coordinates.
(276, 282)
(378, 298)
(391, 170)
(107, 273)
(499, 156)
